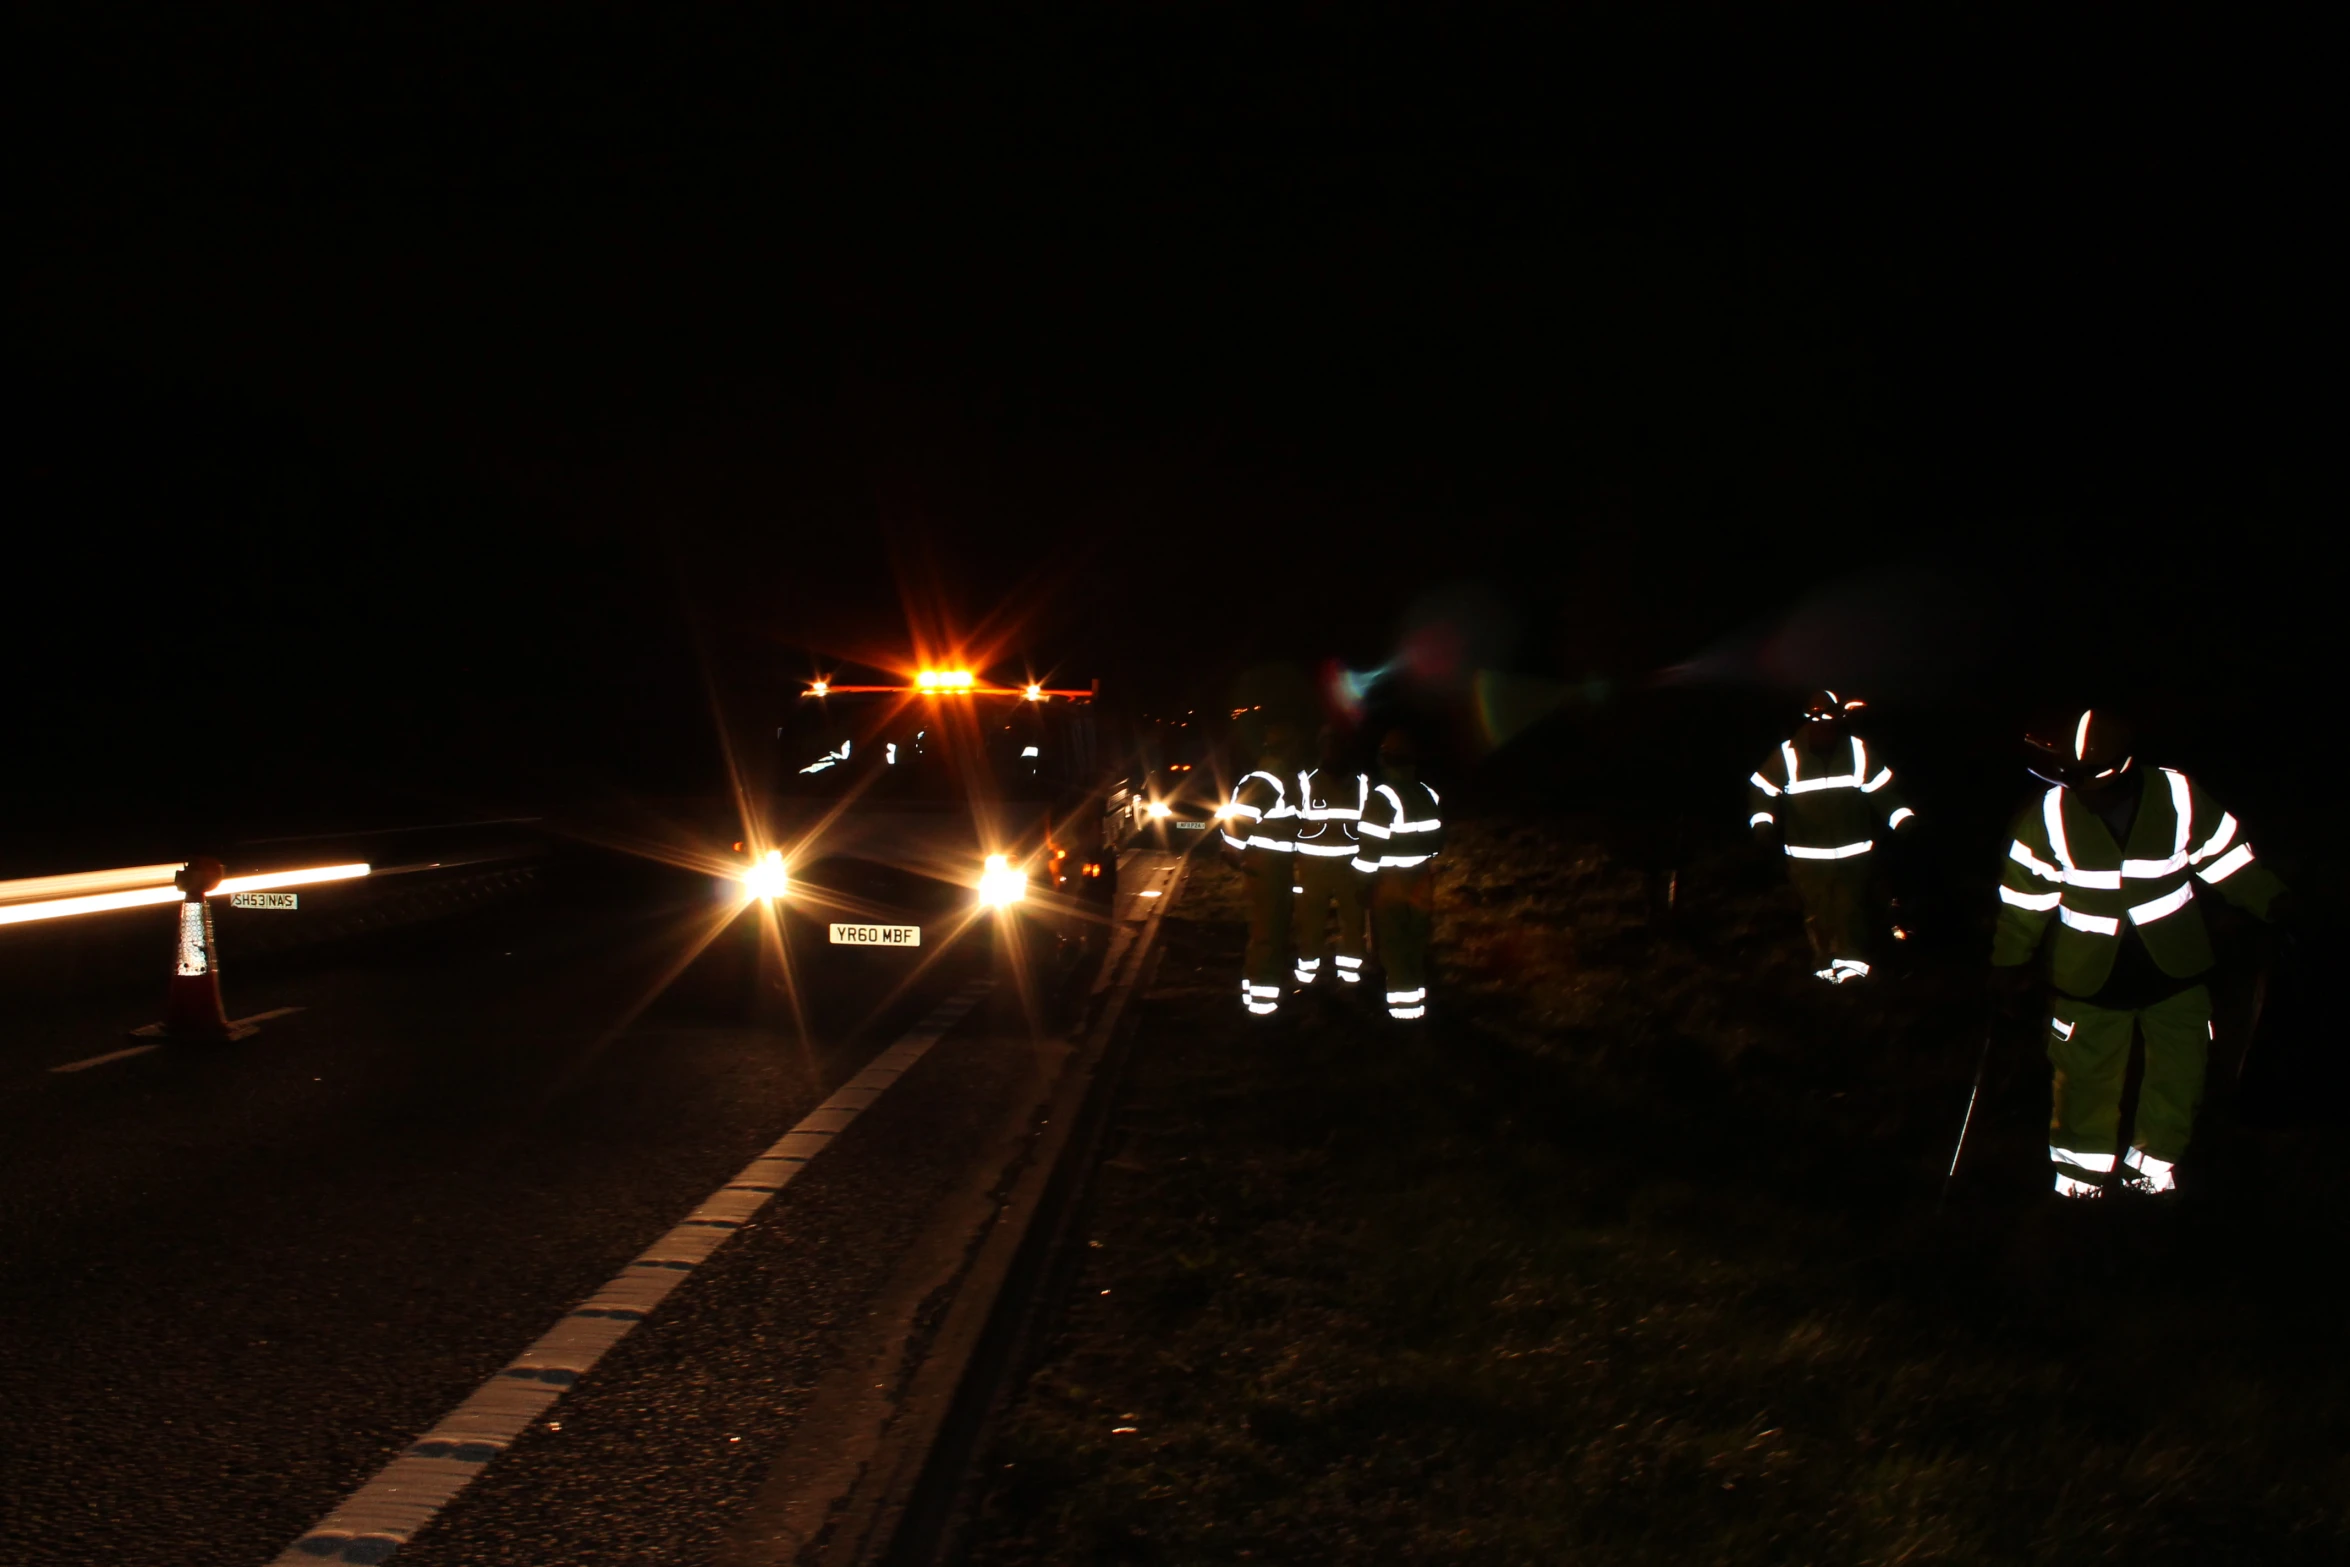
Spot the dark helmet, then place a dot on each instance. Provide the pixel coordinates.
(2096, 748)
(1277, 741)
(1397, 749)
(1826, 707)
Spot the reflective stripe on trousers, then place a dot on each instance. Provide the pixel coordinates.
(2149, 1174)
(1843, 851)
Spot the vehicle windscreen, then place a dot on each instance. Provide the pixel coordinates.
(934, 751)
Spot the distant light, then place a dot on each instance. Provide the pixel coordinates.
(1148, 893)
(766, 876)
(890, 753)
(1028, 750)
(1034, 693)
(944, 680)
(1159, 810)
(999, 884)
(819, 688)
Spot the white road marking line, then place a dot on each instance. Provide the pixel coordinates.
(382, 1515)
(111, 1055)
(155, 1030)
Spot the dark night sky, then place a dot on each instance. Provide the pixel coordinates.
(404, 396)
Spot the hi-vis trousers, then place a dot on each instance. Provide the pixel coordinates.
(2089, 1047)
(1332, 889)
(1839, 913)
(1403, 913)
(1264, 977)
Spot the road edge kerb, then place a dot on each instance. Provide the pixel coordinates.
(941, 1512)
(902, 1508)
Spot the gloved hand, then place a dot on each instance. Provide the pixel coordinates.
(2282, 933)
(2015, 993)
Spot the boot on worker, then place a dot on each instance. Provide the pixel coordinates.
(2101, 887)
(1401, 835)
(1826, 801)
(1328, 921)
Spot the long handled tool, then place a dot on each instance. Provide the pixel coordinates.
(2252, 1021)
(1981, 1062)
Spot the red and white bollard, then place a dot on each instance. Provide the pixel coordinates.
(193, 1010)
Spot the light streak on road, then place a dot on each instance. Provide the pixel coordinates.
(139, 886)
(88, 903)
(267, 880)
(80, 882)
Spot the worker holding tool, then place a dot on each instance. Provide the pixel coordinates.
(2101, 883)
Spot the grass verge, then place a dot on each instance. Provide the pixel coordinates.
(1632, 1257)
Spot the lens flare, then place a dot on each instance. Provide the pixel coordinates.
(766, 877)
(1000, 886)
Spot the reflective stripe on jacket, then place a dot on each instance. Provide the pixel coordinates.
(1400, 828)
(1260, 815)
(2064, 863)
(1329, 805)
(1820, 812)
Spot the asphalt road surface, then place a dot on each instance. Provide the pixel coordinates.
(236, 1281)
